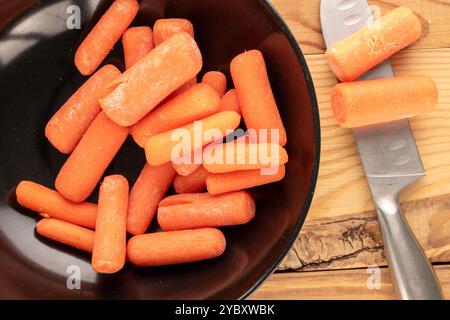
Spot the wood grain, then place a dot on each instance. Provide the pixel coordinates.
(334, 285)
(303, 19)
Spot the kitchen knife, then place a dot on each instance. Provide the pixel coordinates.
(391, 161)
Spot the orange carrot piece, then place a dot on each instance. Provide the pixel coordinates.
(106, 33)
(362, 103)
(217, 80)
(137, 42)
(185, 169)
(182, 89)
(256, 99)
(193, 183)
(162, 148)
(196, 103)
(110, 242)
(66, 233)
(358, 53)
(230, 102)
(82, 171)
(169, 248)
(147, 192)
(50, 203)
(233, 156)
(163, 29)
(239, 180)
(231, 209)
(67, 126)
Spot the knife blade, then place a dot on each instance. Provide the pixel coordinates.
(391, 162)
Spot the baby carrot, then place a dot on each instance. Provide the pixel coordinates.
(66, 233)
(164, 29)
(197, 102)
(168, 248)
(137, 42)
(67, 126)
(362, 103)
(50, 203)
(358, 53)
(217, 80)
(147, 192)
(86, 165)
(153, 78)
(230, 102)
(102, 38)
(193, 183)
(229, 209)
(185, 169)
(256, 99)
(109, 253)
(165, 147)
(239, 180)
(233, 156)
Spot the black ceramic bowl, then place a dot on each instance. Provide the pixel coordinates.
(38, 75)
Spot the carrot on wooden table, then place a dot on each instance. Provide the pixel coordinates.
(70, 122)
(153, 78)
(163, 29)
(166, 147)
(192, 211)
(137, 42)
(109, 252)
(239, 180)
(195, 182)
(84, 168)
(361, 103)
(258, 105)
(197, 102)
(217, 80)
(175, 247)
(353, 56)
(66, 233)
(105, 34)
(50, 203)
(230, 102)
(147, 192)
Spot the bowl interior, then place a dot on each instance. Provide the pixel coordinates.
(38, 75)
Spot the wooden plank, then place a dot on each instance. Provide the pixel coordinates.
(337, 285)
(342, 187)
(303, 19)
(355, 241)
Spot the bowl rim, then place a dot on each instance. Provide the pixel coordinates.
(317, 147)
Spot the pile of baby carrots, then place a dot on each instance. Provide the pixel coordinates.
(362, 103)
(155, 97)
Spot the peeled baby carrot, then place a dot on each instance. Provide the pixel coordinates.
(175, 247)
(185, 169)
(233, 156)
(230, 102)
(362, 103)
(153, 78)
(102, 38)
(195, 212)
(164, 29)
(110, 242)
(137, 42)
(147, 192)
(165, 147)
(86, 165)
(197, 102)
(239, 180)
(217, 80)
(66, 233)
(368, 47)
(256, 99)
(67, 126)
(193, 183)
(50, 203)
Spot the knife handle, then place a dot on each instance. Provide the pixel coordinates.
(412, 274)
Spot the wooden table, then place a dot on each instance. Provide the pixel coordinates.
(341, 238)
